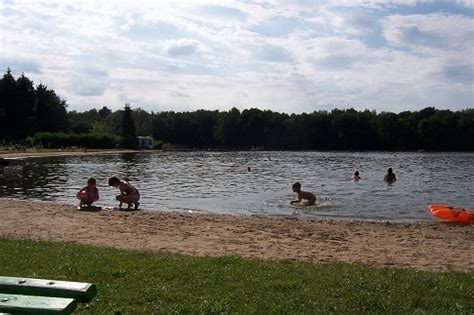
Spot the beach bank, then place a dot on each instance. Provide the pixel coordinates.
(48, 153)
(427, 246)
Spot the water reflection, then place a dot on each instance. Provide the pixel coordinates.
(221, 182)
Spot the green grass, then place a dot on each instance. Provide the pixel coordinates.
(135, 282)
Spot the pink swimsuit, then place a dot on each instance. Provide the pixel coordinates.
(86, 195)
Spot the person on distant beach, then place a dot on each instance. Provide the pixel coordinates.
(128, 193)
(390, 176)
(302, 195)
(356, 176)
(88, 194)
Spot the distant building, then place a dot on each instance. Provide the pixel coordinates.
(145, 142)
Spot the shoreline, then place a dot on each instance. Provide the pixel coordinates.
(37, 154)
(420, 245)
(427, 246)
(57, 153)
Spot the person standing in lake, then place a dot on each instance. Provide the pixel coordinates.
(302, 195)
(128, 193)
(390, 176)
(356, 176)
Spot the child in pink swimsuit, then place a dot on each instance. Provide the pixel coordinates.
(88, 194)
(128, 193)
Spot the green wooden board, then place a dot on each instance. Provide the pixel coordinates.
(26, 304)
(82, 292)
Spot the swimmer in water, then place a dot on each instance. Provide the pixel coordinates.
(302, 195)
(390, 176)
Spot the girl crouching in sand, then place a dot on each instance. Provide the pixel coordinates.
(128, 193)
(88, 194)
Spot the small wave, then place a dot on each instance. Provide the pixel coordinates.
(321, 202)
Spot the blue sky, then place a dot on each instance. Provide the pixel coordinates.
(288, 56)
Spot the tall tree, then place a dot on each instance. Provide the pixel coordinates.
(23, 115)
(7, 105)
(143, 122)
(226, 130)
(104, 112)
(128, 128)
(50, 111)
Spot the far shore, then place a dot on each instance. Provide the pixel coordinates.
(427, 246)
(47, 153)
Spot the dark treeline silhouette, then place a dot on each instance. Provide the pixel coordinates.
(428, 129)
(26, 110)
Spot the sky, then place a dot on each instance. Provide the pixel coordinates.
(289, 56)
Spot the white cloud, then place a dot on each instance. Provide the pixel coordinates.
(466, 3)
(184, 46)
(443, 40)
(432, 31)
(288, 56)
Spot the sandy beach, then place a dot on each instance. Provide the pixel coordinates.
(423, 246)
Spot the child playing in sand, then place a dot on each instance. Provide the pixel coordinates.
(302, 195)
(128, 193)
(88, 194)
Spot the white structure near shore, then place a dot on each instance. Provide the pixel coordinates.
(145, 142)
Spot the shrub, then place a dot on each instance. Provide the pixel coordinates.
(60, 140)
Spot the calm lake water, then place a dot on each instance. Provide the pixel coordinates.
(219, 182)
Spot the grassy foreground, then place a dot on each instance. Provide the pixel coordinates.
(150, 282)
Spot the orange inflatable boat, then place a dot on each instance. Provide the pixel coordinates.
(452, 214)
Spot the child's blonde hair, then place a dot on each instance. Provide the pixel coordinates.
(91, 181)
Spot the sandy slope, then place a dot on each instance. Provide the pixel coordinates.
(423, 246)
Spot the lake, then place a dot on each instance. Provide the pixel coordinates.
(258, 182)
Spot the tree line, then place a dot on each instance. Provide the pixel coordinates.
(26, 110)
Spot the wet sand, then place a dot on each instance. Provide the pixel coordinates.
(430, 246)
